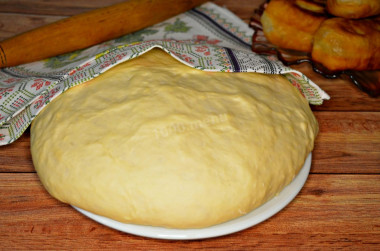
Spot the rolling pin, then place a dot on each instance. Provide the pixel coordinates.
(89, 28)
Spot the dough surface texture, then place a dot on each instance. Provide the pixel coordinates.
(155, 142)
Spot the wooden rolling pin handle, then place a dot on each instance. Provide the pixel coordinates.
(87, 29)
(3, 58)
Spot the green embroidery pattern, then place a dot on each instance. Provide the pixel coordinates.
(135, 37)
(176, 27)
(63, 60)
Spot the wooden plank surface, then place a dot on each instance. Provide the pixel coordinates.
(12, 24)
(68, 8)
(339, 207)
(341, 211)
(62, 8)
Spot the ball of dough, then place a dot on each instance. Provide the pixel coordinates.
(155, 142)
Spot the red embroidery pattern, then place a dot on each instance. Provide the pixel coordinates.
(39, 83)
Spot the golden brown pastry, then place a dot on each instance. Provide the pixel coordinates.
(313, 6)
(321, 1)
(289, 27)
(354, 8)
(341, 44)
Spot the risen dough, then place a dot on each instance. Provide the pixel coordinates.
(155, 142)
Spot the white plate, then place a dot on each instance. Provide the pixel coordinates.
(258, 215)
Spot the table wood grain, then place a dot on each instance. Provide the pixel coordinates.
(339, 207)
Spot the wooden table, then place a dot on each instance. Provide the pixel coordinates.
(339, 207)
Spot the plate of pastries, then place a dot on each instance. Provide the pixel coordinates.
(339, 38)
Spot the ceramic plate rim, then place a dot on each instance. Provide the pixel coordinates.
(255, 217)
